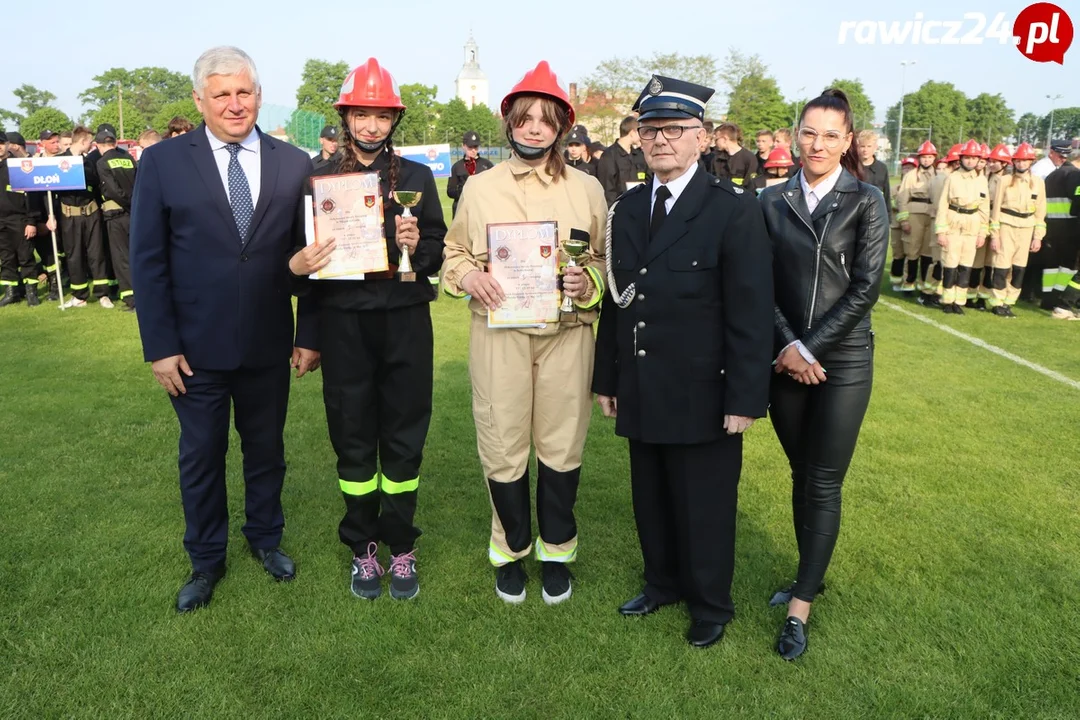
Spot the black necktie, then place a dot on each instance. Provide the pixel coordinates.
(659, 211)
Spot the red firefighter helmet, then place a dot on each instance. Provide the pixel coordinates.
(778, 158)
(370, 85)
(541, 81)
(984, 151)
(971, 149)
(954, 153)
(927, 148)
(1000, 153)
(1024, 152)
(909, 161)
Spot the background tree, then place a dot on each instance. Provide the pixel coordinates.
(134, 121)
(756, 104)
(320, 86)
(418, 125)
(46, 118)
(180, 108)
(1066, 124)
(938, 106)
(31, 99)
(861, 107)
(453, 121)
(1027, 128)
(486, 124)
(304, 127)
(990, 119)
(147, 89)
(737, 66)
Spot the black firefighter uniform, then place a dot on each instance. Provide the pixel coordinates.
(17, 211)
(84, 240)
(530, 383)
(116, 170)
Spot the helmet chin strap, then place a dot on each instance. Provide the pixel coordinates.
(528, 152)
(367, 147)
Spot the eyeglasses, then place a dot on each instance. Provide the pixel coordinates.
(830, 139)
(671, 132)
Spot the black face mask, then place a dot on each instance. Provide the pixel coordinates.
(1019, 171)
(367, 147)
(528, 152)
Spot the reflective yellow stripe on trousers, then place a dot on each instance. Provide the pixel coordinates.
(359, 488)
(396, 488)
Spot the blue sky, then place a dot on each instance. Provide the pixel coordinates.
(799, 42)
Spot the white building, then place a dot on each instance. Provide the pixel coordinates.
(472, 83)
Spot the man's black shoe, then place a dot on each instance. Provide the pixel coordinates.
(703, 633)
(198, 590)
(278, 564)
(640, 605)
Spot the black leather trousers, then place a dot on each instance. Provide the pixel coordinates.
(818, 427)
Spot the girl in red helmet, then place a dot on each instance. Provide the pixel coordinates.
(376, 342)
(531, 384)
(913, 206)
(979, 293)
(776, 167)
(1017, 227)
(961, 225)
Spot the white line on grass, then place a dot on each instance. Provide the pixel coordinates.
(1063, 379)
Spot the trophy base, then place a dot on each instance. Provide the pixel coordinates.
(407, 276)
(565, 316)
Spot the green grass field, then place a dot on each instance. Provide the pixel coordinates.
(950, 594)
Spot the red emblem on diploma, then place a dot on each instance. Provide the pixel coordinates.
(369, 201)
(502, 253)
(545, 251)
(327, 206)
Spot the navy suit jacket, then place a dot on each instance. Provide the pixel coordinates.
(202, 291)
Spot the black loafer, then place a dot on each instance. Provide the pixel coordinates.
(277, 563)
(703, 633)
(640, 605)
(792, 641)
(783, 595)
(198, 590)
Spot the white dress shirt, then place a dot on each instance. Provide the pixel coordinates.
(814, 194)
(1043, 168)
(675, 186)
(249, 157)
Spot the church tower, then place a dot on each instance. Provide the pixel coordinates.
(472, 83)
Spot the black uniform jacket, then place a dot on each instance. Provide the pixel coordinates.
(19, 209)
(617, 167)
(586, 166)
(389, 293)
(827, 265)
(695, 344)
(458, 176)
(116, 170)
(82, 198)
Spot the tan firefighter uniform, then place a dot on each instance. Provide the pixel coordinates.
(1017, 220)
(982, 268)
(963, 216)
(530, 383)
(913, 206)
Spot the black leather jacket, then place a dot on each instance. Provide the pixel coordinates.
(827, 267)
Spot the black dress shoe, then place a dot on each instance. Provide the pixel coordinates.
(641, 605)
(703, 633)
(198, 590)
(792, 641)
(783, 595)
(277, 563)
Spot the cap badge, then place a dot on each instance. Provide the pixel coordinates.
(656, 87)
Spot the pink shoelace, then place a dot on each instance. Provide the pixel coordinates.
(402, 565)
(369, 566)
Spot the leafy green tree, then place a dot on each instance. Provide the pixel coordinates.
(134, 121)
(147, 89)
(31, 99)
(990, 119)
(320, 86)
(185, 108)
(756, 104)
(453, 121)
(45, 118)
(1027, 128)
(862, 109)
(937, 106)
(418, 125)
(486, 124)
(1066, 123)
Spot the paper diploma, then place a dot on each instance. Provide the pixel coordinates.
(524, 259)
(349, 209)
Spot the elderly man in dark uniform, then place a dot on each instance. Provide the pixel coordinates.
(683, 356)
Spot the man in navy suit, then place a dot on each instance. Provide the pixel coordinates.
(216, 215)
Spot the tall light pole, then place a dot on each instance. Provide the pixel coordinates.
(900, 122)
(1050, 130)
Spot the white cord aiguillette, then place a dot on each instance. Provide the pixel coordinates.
(626, 297)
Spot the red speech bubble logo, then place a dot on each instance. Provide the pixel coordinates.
(1043, 32)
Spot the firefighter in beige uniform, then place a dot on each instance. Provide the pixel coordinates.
(937, 186)
(896, 235)
(979, 288)
(531, 383)
(913, 204)
(1017, 227)
(963, 219)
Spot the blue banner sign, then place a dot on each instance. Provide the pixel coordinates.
(436, 157)
(55, 173)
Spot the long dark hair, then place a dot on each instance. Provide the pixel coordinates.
(350, 154)
(836, 100)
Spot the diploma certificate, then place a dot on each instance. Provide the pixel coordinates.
(349, 209)
(524, 259)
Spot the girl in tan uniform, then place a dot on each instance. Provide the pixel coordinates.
(963, 215)
(916, 221)
(531, 383)
(979, 287)
(1017, 227)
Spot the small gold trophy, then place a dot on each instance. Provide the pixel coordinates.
(406, 199)
(574, 249)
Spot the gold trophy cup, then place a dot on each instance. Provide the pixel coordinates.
(574, 249)
(406, 199)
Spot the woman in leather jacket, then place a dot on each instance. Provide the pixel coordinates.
(830, 236)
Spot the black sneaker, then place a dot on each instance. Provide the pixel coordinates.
(1008, 311)
(510, 582)
(403, 582)
(957, 309)
(947, 308)
(556, 579)
(1001, 311)
(366, 572)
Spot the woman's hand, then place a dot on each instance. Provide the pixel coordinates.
(484, 288)
(312, 258)
(943, 240)
(905, 227)
(575, 282)
(408, 232)
(995, 244)
(791, 362)
(1036, 246)
(814, 375)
